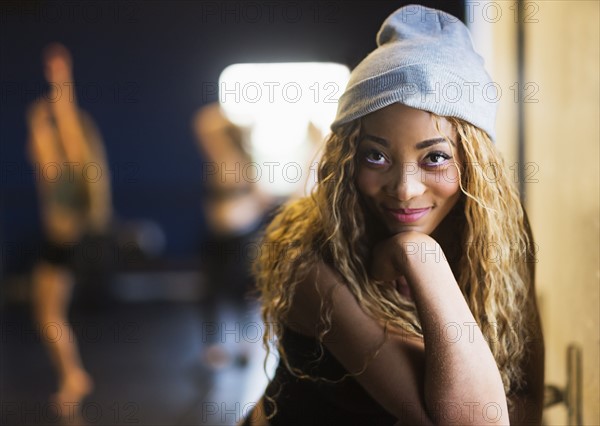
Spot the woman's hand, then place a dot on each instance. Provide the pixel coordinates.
(392, 258)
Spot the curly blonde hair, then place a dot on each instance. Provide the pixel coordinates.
(332, 225)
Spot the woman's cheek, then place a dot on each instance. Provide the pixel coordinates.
(368, 181)
(447, 182)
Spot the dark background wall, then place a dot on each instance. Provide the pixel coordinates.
(141, 69)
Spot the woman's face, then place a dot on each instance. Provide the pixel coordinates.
(407, 172)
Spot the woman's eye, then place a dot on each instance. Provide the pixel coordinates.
(375, 157)
(437, 159)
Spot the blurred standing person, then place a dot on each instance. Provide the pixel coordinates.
(75, 210)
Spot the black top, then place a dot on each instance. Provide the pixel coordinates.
(308, 402)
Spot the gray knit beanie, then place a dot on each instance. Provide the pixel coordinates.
(425, 60)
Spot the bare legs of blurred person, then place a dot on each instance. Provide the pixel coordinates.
(53, 284)
(52, 289)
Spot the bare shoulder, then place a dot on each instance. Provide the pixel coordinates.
(389, 366)
(324, 285)
(310, 293)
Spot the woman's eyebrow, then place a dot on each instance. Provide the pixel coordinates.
(429, 142)
(421, 145)
(376, 139)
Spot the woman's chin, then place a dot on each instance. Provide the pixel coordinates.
(394, 229)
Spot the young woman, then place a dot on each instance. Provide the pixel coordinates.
(401, 291)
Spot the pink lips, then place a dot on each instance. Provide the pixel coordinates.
(408, 215)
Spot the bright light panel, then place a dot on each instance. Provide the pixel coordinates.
(278, 101)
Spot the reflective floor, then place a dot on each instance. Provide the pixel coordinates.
(153, 363)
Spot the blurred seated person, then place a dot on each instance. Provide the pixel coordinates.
(235, 210)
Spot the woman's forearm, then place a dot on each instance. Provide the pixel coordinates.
(462, 381)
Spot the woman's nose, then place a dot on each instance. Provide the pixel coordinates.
(405, 182)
